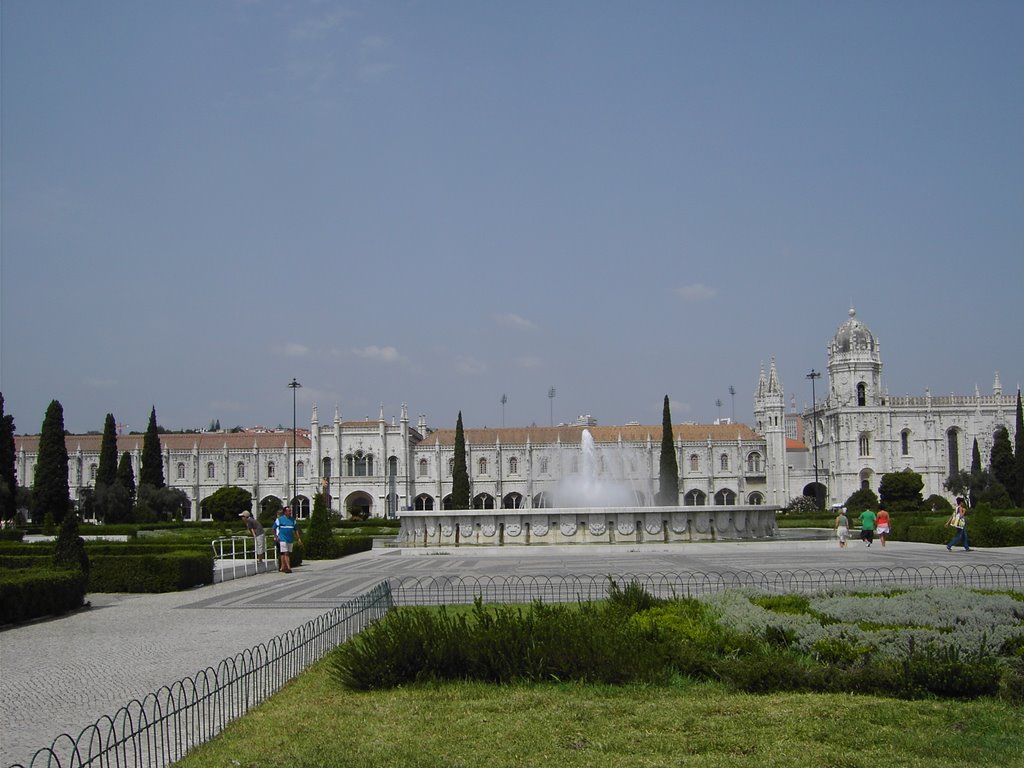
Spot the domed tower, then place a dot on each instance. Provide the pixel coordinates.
(854, 365)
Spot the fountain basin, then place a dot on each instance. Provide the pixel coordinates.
(585, 525)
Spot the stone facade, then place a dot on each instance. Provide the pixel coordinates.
(385, 467)
(861, 432)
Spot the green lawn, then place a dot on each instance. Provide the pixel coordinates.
(314, 722)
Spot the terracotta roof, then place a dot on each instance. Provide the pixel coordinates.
(633, 433)
(795, 445)
(205, 441)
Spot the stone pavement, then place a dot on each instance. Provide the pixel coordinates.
(61, 675)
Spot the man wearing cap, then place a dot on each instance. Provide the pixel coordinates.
(254, 527)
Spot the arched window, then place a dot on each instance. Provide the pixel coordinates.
(862, 394)
(905, 442)
(543, 465)
(724, 462)
(513, 466)
(423, 467)
(326, 464)
(361, 465)
(270, 469)
(211, 471)
(694, 462)
(754, 462)
(300, 469)
(482, 467)
(864, 444)
(240, 471)
(92, 472)
(451, 467)
(392, 466)
(181, 470)
(725, 498)
(755, 499)
(695, 498)
(953, 450)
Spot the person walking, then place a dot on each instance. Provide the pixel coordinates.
(882, 525)
(842, 527)
(252, 525)
(286, 533)
(959, 521)
(867, 526)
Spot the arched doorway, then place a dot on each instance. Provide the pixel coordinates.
(359, 505)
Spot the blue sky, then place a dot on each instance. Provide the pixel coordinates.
(439, 203)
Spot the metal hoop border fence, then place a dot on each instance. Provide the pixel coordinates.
(413, 590)
(162, 727)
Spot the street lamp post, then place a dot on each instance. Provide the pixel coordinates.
(814, 429)
(504, 399)
(732, 393)
(294, 385)
(551, 397)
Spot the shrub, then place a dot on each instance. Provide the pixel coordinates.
(42, 591)
(802, 506)
(863, 499)
(938, 503)
(164, 572)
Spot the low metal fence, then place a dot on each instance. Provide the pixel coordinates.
(439, 590)
(161, 728)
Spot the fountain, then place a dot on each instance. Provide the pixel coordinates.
(589, 489)
(593, 508)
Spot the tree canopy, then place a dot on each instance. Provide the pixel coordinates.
(227, 503)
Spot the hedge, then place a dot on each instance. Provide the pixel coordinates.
(40, 591)
(164, 572)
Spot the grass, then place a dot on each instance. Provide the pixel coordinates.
(314, 722)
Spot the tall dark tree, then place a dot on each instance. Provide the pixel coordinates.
(979, 477)
(668, 467)
(126, 475)
(1001, 461)
(1018, 453)
(51, 497)
(8, 475)
(106, 472)
(151, 472)
(460, 474)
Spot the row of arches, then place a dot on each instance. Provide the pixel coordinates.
(544, 500)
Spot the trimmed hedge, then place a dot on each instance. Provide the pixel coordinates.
(164, 572)
(31, 593)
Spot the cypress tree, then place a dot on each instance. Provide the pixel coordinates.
(319, 541)
(460, 475)
(152, 471)
(668, 472)
(8, 476)
(106, 472)
(1018, 453)
(126, 475)
(50, 493)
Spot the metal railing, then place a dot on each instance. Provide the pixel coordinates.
(236, 556)
(439, 590)
(161, 728)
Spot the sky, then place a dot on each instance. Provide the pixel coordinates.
(449, 203)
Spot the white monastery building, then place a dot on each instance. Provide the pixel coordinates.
(853, 434)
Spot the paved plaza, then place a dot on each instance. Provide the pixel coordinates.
(61, 675)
